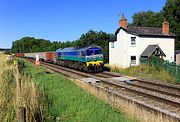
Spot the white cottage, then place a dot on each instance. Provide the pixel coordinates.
(133, 43)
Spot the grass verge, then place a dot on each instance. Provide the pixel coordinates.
(70, 103)
(144, 72)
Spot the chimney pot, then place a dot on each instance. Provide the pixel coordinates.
(123, 22)
(165, 27)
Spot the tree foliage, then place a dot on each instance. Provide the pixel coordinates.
(30, 44)
(147, 19)
(171, 11)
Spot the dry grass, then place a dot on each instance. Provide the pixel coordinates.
(7, 94)
(31, 98)
(18, 90)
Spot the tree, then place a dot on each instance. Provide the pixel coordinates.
(30, 44)
(171, 11)
(147, 19)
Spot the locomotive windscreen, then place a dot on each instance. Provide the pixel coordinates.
(98, 52)
(94, 52)
(89, 52)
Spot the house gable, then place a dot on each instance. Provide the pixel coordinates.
(152, 50)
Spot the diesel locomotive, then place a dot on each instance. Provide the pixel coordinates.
(88, 59)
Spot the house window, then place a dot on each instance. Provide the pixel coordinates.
(133, 40)
(133, 59)
(112, 44)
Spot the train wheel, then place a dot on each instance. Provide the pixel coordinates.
(85, 69)
(76, 66)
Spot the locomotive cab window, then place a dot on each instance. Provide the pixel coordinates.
(98, 51)
(89, 52)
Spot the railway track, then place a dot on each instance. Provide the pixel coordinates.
(156, 96)
(165, 88)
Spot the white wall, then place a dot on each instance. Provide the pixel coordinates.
(118, 54)
(166, 44)
(121, 54)
(132, 49)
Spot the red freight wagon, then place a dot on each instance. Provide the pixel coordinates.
(50, 57)
(19, 54)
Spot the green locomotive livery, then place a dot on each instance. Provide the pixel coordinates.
(88, 58)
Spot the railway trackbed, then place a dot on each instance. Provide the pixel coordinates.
(156, 96)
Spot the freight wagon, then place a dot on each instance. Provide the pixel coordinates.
(50, 57)
(19, 54)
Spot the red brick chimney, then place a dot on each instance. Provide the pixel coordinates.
(123, 22)
(165, 27)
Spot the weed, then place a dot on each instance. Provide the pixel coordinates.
(145, 71)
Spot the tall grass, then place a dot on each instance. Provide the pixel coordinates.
(145, 72)
(7, 88)
(19, 90)
(33, 99)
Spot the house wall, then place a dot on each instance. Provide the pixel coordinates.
(132, 50)
(178, 59)
(166, 44)
(123, 50)
(121, 54)
(117, 55)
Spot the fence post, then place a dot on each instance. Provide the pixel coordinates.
(22, 114)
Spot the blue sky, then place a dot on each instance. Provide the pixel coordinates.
(65, 20)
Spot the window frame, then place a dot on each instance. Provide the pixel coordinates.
(112, 45)
(133, 61)
(133, 42)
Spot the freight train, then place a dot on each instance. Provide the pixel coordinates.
(88, 59)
